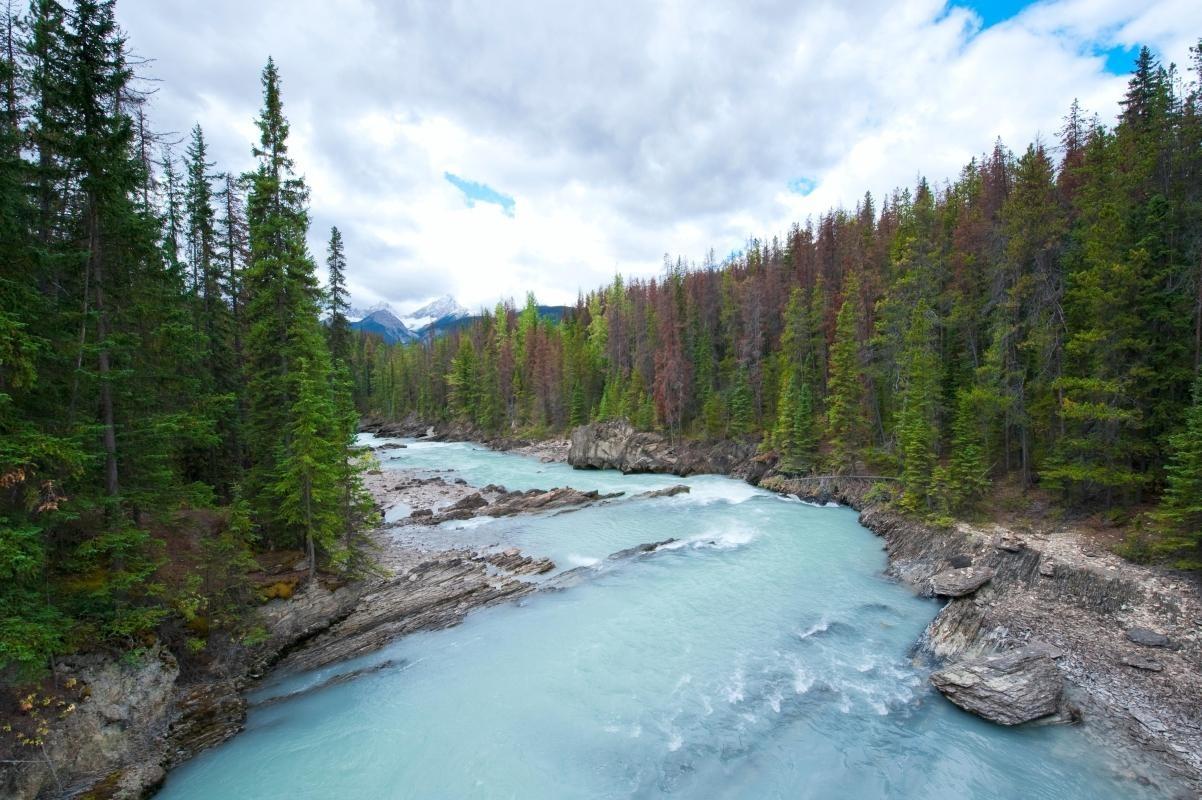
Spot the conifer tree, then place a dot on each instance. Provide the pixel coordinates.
(294, 436)
(1181, 507)
(917, 433)
(337, 299)
(795, 436)
(845, 399)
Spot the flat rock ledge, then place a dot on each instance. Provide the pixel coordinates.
(959, 582)
(509, 504)
(1008, 688)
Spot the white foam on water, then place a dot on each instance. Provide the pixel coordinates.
(721, 490)
(577, 560)
(467, 524)
(821, 626)
(728, 538)
(675, 741)
(734, 690)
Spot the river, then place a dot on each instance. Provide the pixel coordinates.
(761, 655)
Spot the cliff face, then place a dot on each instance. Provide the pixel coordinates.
(142, 717)
(617, 445)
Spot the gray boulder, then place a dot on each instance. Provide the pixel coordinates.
(1148, 637)
(671, 491)
(1008, 688)
(958, 582)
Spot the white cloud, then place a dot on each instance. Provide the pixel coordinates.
(622, 130)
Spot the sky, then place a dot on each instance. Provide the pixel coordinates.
(485, 149)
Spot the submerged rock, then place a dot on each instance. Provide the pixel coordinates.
(960, 581)
(671, 491)
(1009, 688)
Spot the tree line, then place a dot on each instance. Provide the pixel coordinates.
(1038, 319)
(161, 352)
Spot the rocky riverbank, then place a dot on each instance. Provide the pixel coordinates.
(142, 715)
(1040, 624)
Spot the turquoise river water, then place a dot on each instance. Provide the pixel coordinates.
(762, 655)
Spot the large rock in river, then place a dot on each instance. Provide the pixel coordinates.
(617, 445)
(1008, 688)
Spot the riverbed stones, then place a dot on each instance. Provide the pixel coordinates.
(1146, 663)
(960, 581)
(1146, 637)
(469, 503)
(512, 560)
(1008, 688)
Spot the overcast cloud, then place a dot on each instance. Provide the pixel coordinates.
(619, 130)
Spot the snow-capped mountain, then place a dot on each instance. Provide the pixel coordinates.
(354, 314)
(442, 309)
(385, 324)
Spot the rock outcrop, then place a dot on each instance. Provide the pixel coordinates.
(617, 445)
(958, 582)
(1008, 688)
(671, 491)
(512, 503)
(436, 594)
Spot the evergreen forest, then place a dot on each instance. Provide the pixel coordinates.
(1035, 322)
(170, 400)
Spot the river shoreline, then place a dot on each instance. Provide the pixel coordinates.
(1082, 608)
(144, 717)
(1051, 588)
(1126, 638)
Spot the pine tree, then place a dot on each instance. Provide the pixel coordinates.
(1181, 507)
(742, 408)
(965, 478)
(461, 381)
(308, 484)
(917, 431)
(845, 399)
(292, 436)
(337, 299)
(795, 436)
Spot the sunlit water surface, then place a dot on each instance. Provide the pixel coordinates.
(761, 655)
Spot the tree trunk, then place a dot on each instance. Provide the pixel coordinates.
(111, 485)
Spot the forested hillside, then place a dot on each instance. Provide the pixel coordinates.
(169, 400)
(1038, 318)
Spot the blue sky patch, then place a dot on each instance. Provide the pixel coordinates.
(474, 192)
(1120, 59)
(802, 186)
(992, 12)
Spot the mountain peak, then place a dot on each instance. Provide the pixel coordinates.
(442, 308)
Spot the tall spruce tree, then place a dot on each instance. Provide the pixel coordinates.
(1181, 507)
(337, 299)
(846, 425)
(917, 431)
(294, 438)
